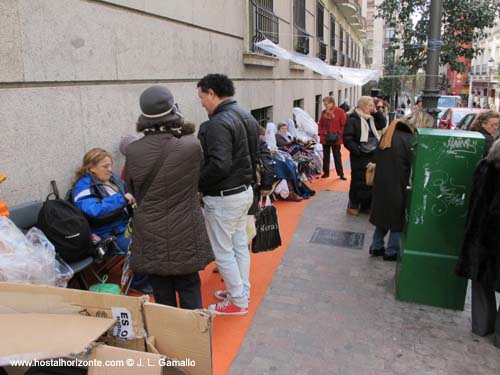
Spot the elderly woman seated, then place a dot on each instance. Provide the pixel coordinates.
(298, 150)
(105, 202)
(283, 137)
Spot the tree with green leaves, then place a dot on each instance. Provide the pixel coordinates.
(464, 23)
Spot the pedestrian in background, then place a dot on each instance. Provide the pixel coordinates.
(380, 114)
(486, 123)
(479, 259)
(332, 121)
(230, 145)
(361, 139)
(169, 240)
(393, 160)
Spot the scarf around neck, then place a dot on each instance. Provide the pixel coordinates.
(367, 123)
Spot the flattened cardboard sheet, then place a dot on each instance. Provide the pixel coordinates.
(27, 298)
(44, 336)
(182, 335)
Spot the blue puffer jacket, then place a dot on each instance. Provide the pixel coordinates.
(106, 212)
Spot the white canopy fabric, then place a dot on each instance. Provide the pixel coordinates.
(351, 76)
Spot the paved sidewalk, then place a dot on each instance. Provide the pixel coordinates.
(331, 310)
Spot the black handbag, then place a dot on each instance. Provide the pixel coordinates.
(332, 138)
(369, 146)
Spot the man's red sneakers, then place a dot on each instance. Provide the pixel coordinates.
(226, 307)
(222, 295)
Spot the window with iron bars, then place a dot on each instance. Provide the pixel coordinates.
(298, 103)
(300, 36)
(341, 39)
(333, 50)
(263, 115)
(347, 45)
(321, 46)
(264, 24)
(317, 107)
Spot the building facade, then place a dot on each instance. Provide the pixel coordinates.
(484, 89)
(73, 70)
(375, 32)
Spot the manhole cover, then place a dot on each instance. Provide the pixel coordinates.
(352, 240)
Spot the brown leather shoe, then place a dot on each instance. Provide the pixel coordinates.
(294, 197)
(353, 211)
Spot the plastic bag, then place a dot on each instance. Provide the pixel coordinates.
(250, 228)
(104, 287)
(268, 231)
(29, 258)
(282, 189)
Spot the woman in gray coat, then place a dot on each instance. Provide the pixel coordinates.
(169, 242)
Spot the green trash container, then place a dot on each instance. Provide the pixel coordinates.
(438, 200)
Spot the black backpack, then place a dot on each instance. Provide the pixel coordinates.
(66, 228)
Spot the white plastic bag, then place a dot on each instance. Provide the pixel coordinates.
(250, 229)
(30, 258)
(282, 189)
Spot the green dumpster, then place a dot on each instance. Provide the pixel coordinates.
(438, 200)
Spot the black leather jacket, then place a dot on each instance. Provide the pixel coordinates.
(230, 148)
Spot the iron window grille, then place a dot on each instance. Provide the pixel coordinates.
(264, 24)
(300, 36)
(341, 40)
(301, 41)
(334, 58)
(263, 115)
(317, 107)
(321, 50)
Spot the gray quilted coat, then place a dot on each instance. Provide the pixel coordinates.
(169, 234)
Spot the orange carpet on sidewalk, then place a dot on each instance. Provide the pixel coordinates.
(229, 331)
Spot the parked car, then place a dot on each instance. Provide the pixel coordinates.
(447, 101)
(468, 119)
(452, 116)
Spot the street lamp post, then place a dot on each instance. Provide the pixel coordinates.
(392, 112)
(490, 69)
(431, 91)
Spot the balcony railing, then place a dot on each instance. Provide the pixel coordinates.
(264, 24)
(300, 40)
(334, 57)
(321, 48)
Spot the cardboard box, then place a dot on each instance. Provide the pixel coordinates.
(182, 337)
(124, 362)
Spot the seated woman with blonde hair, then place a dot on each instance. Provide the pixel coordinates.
(102, 197)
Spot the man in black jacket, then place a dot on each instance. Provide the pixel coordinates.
(230, 147)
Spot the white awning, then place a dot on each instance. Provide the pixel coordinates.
(351, 76)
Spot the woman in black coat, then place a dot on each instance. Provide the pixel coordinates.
(393, 160)
(360, 138)
(479, 260)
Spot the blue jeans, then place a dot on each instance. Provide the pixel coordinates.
(393, 244)
(226, 221)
